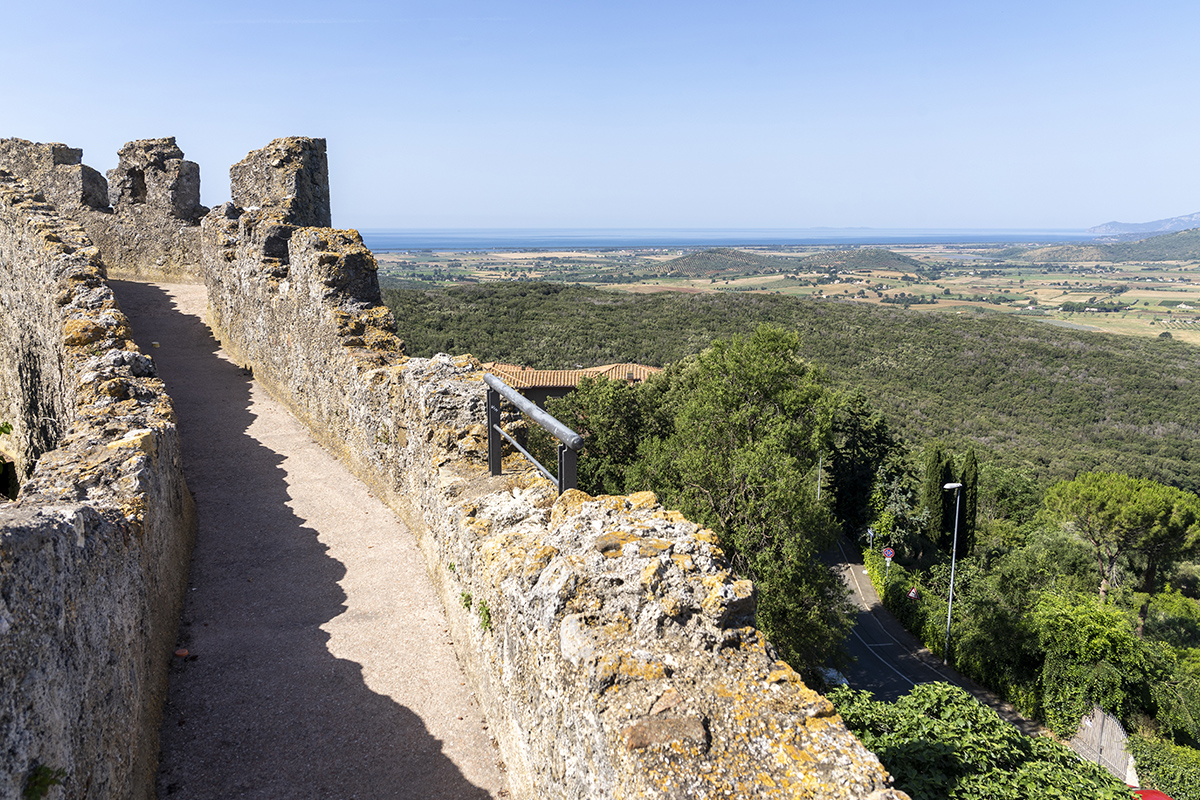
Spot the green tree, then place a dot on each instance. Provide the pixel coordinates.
(610, 417)
(740, 454)
(860, 443)
(969, 505)
(1008, 499)
(939, 743)
(894, 513)
(1095, 506)
(995, 639)
(1120, 516)
(1094, 656)
(1168, 531)
(937, 503)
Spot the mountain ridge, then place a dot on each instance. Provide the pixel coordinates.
(1169, 225)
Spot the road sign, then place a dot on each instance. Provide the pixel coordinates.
(913, 593)
(889, 553)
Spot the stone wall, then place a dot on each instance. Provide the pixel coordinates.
(94, 551)
(612, 649)
(145, 218)
(290, 176)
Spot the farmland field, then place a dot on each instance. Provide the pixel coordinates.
(1136, 298)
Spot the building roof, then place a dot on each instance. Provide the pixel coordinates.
(520, 377)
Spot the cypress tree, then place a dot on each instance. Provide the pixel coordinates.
(946, 538)
(932, 501)
(970, 502)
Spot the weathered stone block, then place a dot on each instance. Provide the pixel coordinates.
(290, 175)
(57, 171)
(153, 174)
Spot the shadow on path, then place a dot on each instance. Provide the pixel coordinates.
(261, 708)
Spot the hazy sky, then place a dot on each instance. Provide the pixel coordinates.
(758, 113)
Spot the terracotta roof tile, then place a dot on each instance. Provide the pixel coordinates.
(520, 377)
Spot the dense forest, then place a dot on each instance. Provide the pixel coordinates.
(1177, 246)
(719, 261)
(726, 261)
(1051, 401)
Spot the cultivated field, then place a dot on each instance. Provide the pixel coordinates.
(1135, 298)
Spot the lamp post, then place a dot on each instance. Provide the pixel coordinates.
(957, 487)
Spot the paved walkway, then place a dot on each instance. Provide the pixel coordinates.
(319, 662)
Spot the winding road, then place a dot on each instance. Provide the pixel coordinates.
(889, 660)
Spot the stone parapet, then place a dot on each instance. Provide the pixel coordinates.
(94, 550)
(612, 649)
(151, 229)
(57, 171)
(153, 173)
(289, 176)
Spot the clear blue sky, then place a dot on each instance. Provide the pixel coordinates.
(761, 113)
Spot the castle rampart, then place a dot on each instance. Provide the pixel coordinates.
(145, 218)
(94, 551)
(607, 640)
(613, 651)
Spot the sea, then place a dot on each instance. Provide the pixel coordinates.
(382, 240)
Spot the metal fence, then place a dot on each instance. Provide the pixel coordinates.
(1101, 739)
(569, 442)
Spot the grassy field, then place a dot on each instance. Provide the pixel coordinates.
(1136, 298)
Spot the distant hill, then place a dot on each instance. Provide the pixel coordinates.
(1148, 228)
(865, 258)
(724, 261)
(727, 261)
(1178, 246)
(1057, 402)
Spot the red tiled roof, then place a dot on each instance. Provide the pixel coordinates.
(520, 377)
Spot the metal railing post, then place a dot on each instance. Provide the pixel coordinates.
(567, 468)
(493, 424)
(570, 442)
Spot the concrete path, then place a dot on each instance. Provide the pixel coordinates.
(319, 662)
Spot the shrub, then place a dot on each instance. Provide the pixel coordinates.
(1167, 767)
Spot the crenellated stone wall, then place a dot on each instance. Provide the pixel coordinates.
(145, 218)
(290, 175)
(94, 551)
(612, 649)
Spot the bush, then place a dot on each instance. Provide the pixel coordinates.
(939, 742)
(1167, 767)
(924, 617)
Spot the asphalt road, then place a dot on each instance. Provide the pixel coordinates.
(889, 660)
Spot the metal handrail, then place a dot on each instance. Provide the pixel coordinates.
(569, 445)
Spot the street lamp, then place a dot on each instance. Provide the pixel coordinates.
(957, 487)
